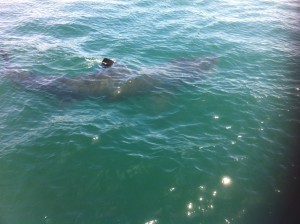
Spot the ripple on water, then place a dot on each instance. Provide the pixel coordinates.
(212, 150)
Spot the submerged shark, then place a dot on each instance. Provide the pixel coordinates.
(113, 80)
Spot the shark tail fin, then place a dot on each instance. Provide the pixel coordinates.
(6, 56)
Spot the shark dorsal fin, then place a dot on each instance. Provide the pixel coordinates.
(106, 63)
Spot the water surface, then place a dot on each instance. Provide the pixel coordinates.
(218, 149)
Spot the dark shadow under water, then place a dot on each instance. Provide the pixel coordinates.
(115, 82)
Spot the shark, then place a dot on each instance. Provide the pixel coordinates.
(114, 80)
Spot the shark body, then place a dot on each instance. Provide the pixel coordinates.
(116, 81)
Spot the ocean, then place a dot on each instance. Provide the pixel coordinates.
(216, 143)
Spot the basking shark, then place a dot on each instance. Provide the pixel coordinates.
(113, 80)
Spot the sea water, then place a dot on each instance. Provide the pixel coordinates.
(218, 149)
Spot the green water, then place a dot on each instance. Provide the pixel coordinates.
(218, 149)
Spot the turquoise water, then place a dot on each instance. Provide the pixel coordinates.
(219, 148)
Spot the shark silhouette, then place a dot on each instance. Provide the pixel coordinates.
(113, 80)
